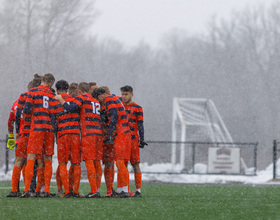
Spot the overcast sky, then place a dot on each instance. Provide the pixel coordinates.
(131, 21)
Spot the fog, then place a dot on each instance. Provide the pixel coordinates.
(236, 64)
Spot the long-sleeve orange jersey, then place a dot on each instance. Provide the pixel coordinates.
(116, 114)
(135, 120)
(37, 104)
(67, 122)
(23, 121)
(12, 117)
(89, 114)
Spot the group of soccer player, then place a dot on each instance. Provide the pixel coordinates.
(88, 124)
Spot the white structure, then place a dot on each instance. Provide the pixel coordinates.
(200, 120)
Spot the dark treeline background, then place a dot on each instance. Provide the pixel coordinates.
(236, 64)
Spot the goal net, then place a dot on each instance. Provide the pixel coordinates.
(197, 120)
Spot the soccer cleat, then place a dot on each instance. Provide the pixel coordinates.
(109, 194)
(71, 191)
(36, 194)
(122, 194)
(130, 193)
(93, 195)
(68, 195)
(60, 193)
(45, 195)
(137, 194)
(14, 194)
(77, 195)
(26, 194)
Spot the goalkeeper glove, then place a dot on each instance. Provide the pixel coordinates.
(142, 144)
(11, 142)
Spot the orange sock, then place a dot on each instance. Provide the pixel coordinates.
(48, 175)
(15, 178)
(138, 180)
(98, 169)
(40, 178)
(58, 178)
(108, 178)
(71, 177)
(77, 177)
(123, 175)
(91, 175)
(28, 174)
(23, 172)
(64, 177)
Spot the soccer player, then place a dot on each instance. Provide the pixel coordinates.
(68, 138)
(10, 144)
(91, 131)
(41, 138)
(22, 123)
(73, 91)
(119, 136)
(135, 121)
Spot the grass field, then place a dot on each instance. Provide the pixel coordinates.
(158, 202)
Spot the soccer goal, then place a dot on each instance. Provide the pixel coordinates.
(197, 120)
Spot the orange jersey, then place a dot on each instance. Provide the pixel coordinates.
(67, 122)
(23, 121)
(89, 114)
(37, 104)
(113, 105)
(135, 119)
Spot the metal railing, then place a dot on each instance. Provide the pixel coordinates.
(190, 153)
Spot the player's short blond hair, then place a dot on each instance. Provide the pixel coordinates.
(48, 78)
(84, 87)
(106, 88)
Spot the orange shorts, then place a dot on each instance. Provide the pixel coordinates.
(135, 151)
(99, 148)
(122, 145)
(69, 147)
(21, 150)
(89, 146)
(108, 152)
(41, 142)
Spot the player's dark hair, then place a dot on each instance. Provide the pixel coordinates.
(37, 80)
(106, 88)
(48, 78)
(126, 88)
(94, 94)
(84, 87)
(98, 91)
(30, 85)
(53, 91)
(62, 85)
(92, 84)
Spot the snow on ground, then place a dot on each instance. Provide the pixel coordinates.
(262, 177)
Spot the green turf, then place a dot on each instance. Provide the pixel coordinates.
(158, 202)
